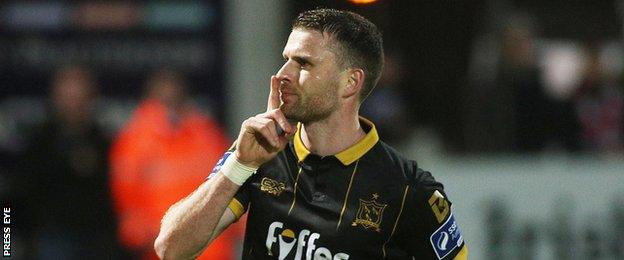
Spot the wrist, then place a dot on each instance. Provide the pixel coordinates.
(236, 154)
(236, 171)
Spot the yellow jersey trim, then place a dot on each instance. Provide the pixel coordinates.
(295, 191)
(396, 222)
(463, 254)
(237, 208)
(349, 155)
(346, 199)
(300, 149)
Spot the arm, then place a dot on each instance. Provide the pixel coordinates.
(193, 222)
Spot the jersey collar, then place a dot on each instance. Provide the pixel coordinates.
(349, 155)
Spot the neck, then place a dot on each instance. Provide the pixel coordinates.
(333, 134)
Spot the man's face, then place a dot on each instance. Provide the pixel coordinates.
(310, 76)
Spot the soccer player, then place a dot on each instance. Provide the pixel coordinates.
(326, 187)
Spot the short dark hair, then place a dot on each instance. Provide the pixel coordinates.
(360, 41)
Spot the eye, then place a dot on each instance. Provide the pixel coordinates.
(303, 63)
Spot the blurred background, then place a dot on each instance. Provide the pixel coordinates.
(111, 111)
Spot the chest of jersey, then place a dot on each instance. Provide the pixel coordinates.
(322, 209)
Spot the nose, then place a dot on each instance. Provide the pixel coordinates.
(287, 73)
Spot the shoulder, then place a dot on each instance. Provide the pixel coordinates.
(424, 189)
(389, 158)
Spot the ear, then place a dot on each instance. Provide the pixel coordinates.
(354, 82)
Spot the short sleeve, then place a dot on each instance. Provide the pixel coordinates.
(432, 231)
(240, 202)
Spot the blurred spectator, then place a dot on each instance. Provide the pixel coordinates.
(66, 177)
(164, 152)
(508, 109)
(518, 74)
(385, 106)
(600, 106)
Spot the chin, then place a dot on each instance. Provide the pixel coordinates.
(287, 110)
(292, 115)
(300, 114)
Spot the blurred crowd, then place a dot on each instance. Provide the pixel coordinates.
(529, 94)
(79, 192)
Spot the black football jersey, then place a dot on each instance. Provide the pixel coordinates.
(366, 202)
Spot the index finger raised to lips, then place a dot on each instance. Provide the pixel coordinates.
(274, 95)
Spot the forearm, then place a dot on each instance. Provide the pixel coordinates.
(190, 224)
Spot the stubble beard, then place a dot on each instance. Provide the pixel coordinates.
(312, 109)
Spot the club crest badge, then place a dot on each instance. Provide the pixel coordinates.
(272, 187)
(370, 214)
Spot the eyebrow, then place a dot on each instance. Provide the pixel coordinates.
(301, 59)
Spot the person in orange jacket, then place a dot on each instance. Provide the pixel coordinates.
(165, 151)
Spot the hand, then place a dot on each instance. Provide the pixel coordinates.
(259, 140)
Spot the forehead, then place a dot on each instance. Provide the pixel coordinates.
(308, 43)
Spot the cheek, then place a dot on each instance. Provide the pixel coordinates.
(319, 87)
(307, 78)
(326, 94)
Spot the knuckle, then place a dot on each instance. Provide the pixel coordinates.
(248, 121)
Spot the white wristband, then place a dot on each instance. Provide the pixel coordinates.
(236, 171)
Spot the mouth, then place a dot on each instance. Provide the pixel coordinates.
(288, 97)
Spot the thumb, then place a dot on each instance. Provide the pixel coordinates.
(274, 96)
